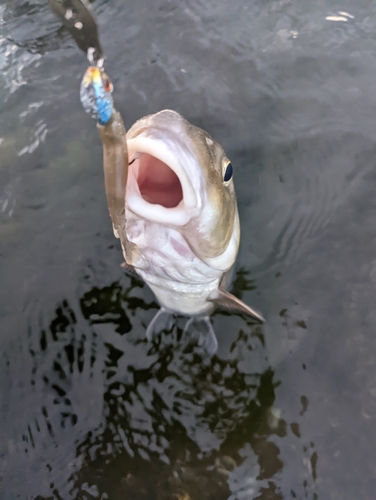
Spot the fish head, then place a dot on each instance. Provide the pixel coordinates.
(180, 177)
(96, 95)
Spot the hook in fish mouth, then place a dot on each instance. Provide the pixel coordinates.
(159, 188)
(157, 182)
(96, 94)
(167, 177)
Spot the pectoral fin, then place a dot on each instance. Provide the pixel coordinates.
(203, 330)
(162, 321)
(226, 300)
(131, 272)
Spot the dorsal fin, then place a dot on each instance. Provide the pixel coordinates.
(226, 300)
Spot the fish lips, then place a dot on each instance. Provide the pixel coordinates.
(190, 203)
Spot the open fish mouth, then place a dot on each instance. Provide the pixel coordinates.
(157, 182)
(161, 181)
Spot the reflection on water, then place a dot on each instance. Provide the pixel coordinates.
(88, 408)
(150, 421)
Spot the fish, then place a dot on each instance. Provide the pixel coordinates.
(172, 202)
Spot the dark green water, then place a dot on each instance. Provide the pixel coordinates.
(88, 408)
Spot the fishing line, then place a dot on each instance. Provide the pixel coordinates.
(77, 18)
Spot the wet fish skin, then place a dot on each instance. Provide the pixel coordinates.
(197, 241)
(218, 208)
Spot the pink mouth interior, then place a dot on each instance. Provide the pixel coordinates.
(158, 184)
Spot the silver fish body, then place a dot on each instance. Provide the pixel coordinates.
(180, 213)
(172, 202)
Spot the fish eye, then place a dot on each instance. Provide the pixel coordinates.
(228, 173)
